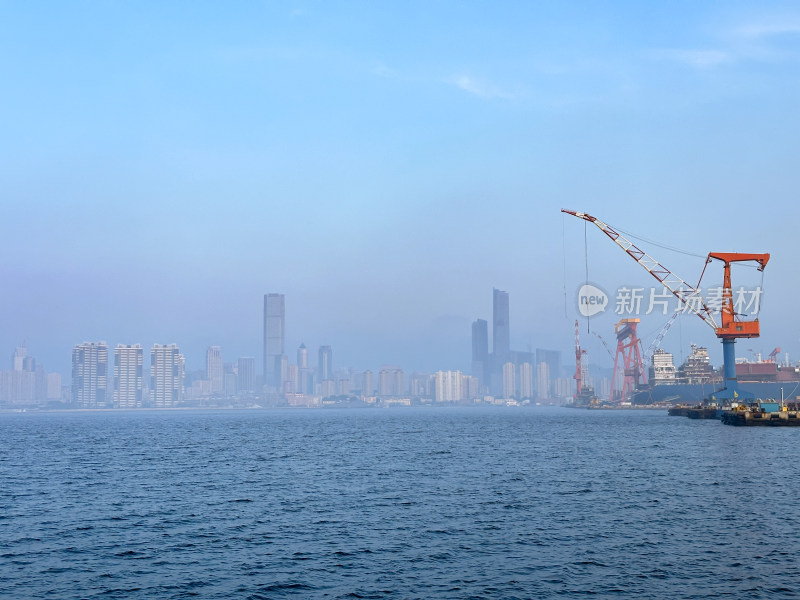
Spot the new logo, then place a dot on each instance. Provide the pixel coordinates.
(591, 300)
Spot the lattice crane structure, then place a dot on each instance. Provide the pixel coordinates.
(732, 326)
(629, 350)
(583, 391)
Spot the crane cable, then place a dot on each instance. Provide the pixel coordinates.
(586, 262)
(673, 248)
(564, 255)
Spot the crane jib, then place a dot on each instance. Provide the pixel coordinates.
(679, 288)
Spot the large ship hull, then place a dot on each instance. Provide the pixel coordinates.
(685, 393)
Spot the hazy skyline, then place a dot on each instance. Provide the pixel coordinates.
(385, 166)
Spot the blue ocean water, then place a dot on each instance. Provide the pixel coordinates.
(398, 503)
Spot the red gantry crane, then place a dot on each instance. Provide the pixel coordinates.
(583, 391)
(732, 326)
(629, 349)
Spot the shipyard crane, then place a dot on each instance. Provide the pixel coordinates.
(605, 345)
(773, 355)
(732, 326)
(629, 349)
(583, 392)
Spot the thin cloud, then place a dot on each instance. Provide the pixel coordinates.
(381, 70)
(699, 59)
(479, 88)
(766, 29)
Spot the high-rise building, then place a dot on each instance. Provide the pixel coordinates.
(543, 381)
(391, 382)
(421, 385)
(526, 381)
(343, 386)
(54, 386)
(246, 375)
(214, 370)
(472, 388)
(90, 375)
(325, 364)
(302, 357)
(544, 387)
(509, 380)
(290, 383)
(25, 384)
(18, 388)
(128, 373)
(327, 388)
(166, 375)
(18, 358)
(480, 349)
(230, 380)
(449, 386)
(367, 384)
(274, 338)
(501, 337)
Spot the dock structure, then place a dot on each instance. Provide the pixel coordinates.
(695, 412)
(752, 418)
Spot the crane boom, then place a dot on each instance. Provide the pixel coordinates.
(688, 294)
(648, 355)
(732, 328)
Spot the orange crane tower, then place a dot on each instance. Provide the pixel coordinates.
(732, 326)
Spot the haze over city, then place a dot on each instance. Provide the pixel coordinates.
(385, 167)
(341, 299)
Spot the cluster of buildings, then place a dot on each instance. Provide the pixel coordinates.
(27, 383)
(514, 374)
(123, 376)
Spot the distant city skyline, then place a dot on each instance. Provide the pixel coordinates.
(96, 383)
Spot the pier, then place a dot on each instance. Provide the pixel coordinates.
(751, 418)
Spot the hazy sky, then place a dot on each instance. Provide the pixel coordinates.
(384, 165)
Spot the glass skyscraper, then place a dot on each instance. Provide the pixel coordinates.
(501, 338)
(274, 324)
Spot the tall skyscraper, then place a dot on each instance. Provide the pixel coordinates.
(246, 376)
(274, 324)
(325, 364)
(90, 375)
(166, 376)
(480, 349)
(501, 338)
(305, 381)
(214, 370)
(128, 372)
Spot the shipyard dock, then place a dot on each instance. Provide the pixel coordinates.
(753, 418)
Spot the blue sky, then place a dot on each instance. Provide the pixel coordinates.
(384, 165)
